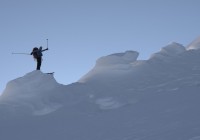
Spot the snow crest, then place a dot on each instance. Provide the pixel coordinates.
(31, 91)
(111, 65)
(171, 50)
(118, 58)
(195, 45)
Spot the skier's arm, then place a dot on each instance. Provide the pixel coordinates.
(42, 50)
(45, 49)
(33, 52)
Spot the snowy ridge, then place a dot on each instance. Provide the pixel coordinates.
(169, 51)
(121, 65)
(121, 98)
(30, 91)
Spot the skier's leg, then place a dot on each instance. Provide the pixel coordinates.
(39, 61)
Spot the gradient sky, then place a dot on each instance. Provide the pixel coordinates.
(81, 31)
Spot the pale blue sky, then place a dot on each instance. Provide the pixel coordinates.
(81, 31)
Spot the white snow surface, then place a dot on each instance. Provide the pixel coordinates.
(121, 98)
(194, 45)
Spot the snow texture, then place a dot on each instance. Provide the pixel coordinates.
(121, 98)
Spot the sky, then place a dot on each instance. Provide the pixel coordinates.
(81, 31)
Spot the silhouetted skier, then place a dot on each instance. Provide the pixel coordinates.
(37, 54)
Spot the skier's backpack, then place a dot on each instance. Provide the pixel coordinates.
(35, 52)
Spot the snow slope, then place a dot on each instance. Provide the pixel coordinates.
(121, 98)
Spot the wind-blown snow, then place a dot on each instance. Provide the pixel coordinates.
(121, 98)
(194, 45)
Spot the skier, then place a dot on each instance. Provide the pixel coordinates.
(37, 54)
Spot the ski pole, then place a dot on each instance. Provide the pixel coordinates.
(22, 53)
(47, 43)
